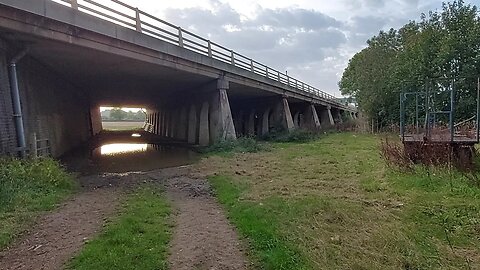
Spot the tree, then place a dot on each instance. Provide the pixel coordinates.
(441, 47)
(118, 114)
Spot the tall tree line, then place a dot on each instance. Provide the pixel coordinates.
(442, 46)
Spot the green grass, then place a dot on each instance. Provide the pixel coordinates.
(137, 239)
(27, 188)
(122, 125)
(260, 222)
(333, 204)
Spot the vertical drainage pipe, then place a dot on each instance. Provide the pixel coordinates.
(17, 107)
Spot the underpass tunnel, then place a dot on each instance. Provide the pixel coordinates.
(63, 85)
(62, 88)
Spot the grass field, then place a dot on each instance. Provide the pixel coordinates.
(136, 239)
(27, 188)
(333, 204)
(122, 125)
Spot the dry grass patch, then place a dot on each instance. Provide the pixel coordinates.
(334, 202)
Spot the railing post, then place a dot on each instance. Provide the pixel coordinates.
(232, 57)
(210, 54)
(74, 4)
(278, 75)
(266, 72)
(180, 37)
(251, 66)
(138, 22)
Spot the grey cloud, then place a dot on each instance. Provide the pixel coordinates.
(295, 18)
(311, 45)
(204, 20)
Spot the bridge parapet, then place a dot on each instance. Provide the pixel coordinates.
(120, 13)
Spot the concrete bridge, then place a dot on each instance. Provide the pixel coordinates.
(61, 60)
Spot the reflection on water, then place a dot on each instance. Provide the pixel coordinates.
(122, 148)
(122, 156)
(134, 157)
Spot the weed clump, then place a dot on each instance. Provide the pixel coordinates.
(27, 187)
(297, 135)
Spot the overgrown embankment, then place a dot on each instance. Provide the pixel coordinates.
(332, 203)
(28, 187)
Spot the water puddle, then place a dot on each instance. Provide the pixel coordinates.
(124, 156)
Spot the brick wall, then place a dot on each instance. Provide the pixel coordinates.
(53, 107)
(7, 129)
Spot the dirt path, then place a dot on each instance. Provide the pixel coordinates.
(57, 236)
(203, 237)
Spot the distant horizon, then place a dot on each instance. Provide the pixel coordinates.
(127, 109)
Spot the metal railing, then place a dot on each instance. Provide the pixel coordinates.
(128, 16)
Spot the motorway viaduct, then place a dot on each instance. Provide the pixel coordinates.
(60, 62)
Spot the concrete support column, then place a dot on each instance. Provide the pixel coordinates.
(167, 123)
(172, 123)
(327, 118)
(162, 122)
(159, 129)
(95, 121)
(182, 125)
(192, 125)
(311, 118)
(221, 120)
(250, 126)
(157, 122)
(203, 123)
(296, 120)
(338, 117)
(285, 115)
(265, 124)
(238, 122)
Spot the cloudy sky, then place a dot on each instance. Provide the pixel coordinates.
(311, 39)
